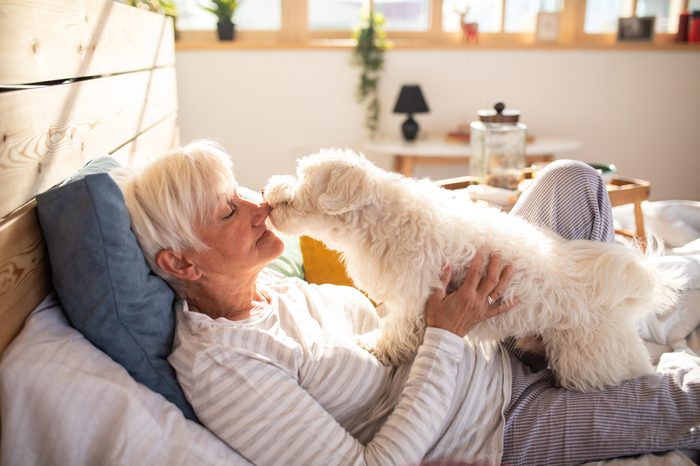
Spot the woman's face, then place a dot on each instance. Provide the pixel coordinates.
(238, 239)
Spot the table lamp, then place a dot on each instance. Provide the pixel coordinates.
(410, 101)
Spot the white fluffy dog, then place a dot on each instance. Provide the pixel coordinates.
(397, 233)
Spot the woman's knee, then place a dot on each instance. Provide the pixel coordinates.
(568, 171)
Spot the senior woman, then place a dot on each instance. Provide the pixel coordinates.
(270, 365)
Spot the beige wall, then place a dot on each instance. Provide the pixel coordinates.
(637, 109)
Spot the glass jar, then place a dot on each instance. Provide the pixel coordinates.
(498, 147)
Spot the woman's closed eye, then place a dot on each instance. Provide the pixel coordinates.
(232, 211)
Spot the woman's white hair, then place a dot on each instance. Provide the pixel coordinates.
(170, 197)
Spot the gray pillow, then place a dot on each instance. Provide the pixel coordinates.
(104, 283)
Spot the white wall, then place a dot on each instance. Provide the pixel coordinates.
(637, 109)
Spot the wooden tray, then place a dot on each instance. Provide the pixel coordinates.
(621, 190)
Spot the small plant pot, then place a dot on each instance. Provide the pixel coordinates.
(227, 31)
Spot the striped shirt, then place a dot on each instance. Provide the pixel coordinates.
(290, 386)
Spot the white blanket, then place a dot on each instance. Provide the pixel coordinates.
(64, 402)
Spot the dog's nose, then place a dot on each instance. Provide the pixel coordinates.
(264, 193)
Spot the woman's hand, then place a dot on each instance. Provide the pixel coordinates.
(477, 299)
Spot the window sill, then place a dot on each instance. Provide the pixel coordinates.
(257, 44)
(409, 44)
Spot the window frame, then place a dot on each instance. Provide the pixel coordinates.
(610, 38)
(294, 33)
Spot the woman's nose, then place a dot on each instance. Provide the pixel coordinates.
(256, 209)
(262, 211)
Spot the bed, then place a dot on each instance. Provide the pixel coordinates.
(80, 80)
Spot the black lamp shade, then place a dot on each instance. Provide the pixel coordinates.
(410, 100)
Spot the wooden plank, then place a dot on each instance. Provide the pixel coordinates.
(24, 270)
(405, 164)
(457, 182)
(464, 181)
(631, 191)
(48, 133)
(48, 40)
(153, 142)
(628, 190)
(25, 276)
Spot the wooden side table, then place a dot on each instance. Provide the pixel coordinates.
(630, 191)
(408, 155)
(621, 190)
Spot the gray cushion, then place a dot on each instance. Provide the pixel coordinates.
(105, 284)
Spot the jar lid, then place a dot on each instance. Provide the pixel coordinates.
(499, 114)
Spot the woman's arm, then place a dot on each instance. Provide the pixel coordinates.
(262, 412)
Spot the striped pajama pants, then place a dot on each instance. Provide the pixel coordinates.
(548, 425)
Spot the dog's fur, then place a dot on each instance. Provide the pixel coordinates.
(397, 233)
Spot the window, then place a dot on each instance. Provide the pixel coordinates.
(521, 15)
(404, 15)
(487, 13)
(400, 15)
(517, 16)
(602, 15)
(666, 13)
(334, 14)
(437, 22)
(256, 14)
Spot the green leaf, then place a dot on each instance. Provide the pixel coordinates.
(368, 55)
(223, 9)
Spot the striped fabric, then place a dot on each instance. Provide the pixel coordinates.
(546, 425)
(568, 197)
(289, 386)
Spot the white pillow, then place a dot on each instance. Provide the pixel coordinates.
(672, 327)
(676, 222)
(63, 401)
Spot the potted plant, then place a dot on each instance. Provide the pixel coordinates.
(368, 54)
(224, 11)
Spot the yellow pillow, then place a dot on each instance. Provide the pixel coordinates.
(322, 265)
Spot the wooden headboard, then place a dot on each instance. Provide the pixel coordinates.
(79, 79)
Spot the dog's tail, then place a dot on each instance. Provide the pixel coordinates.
(669, 280)
(627, 277)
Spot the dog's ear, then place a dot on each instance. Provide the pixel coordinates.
(349, 187)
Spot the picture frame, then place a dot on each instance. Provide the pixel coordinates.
(636, 29)
(547, 27)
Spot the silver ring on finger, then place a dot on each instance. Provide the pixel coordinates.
(490, 300)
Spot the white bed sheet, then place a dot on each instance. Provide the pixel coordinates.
(677, 225)
(64, 402)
